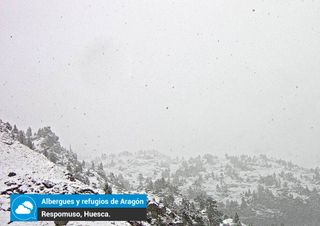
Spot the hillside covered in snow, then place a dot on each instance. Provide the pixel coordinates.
(37, 163)
(202, 190)
(25, 171)
(262, 190)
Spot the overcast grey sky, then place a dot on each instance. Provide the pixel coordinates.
(182, 77)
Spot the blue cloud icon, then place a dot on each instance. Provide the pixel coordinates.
(23, 208)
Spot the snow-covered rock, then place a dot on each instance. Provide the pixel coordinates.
(229, 222)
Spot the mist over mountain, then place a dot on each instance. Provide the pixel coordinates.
(180, 77)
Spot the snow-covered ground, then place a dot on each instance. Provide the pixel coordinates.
(154, 165)
(223, 178)
(33, 173)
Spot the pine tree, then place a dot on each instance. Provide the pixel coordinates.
(140, 178)
(107, 188)
(15, 129)
(101, 166)
(53, 157)
(168, 200)
(29, 143)
(21, 137)
(100, 171)
(45, 153)
(78, 168)
(214, 215)
(186, 219)
(69, 168)
(149, 185)
(29, 133)
(236, 218)
(244, 204)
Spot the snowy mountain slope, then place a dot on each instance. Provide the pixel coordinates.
(23, 170)
(259, 188)
(35, 171)
(262, 190)
(235, 175)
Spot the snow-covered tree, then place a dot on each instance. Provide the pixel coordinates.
(29, 132)
(236, 218)
(29, 143)
(107, 188)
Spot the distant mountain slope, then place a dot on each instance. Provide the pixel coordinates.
(262, 190)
